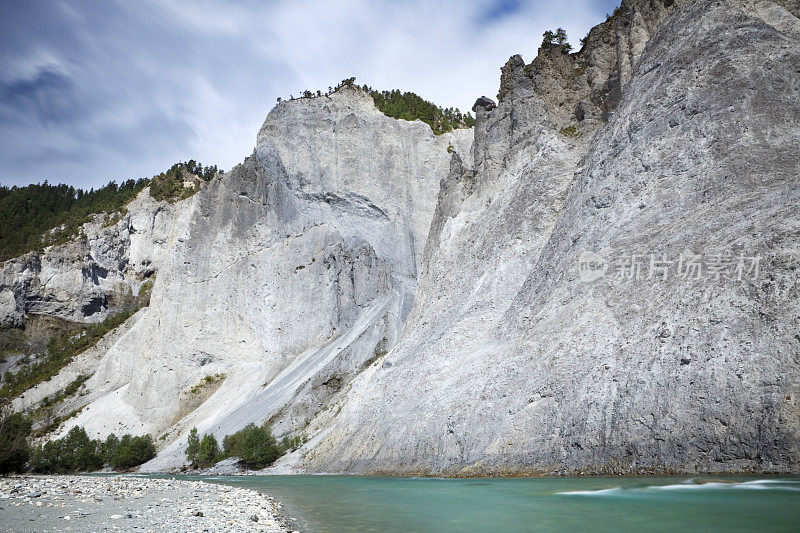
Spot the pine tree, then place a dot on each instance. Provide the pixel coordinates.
(193, 445)
(561, 40)
(14, 449)
(208, 451)
(109, 447)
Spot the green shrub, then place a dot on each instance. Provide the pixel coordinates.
(254, 446)
(145, 291)
(74, 385)
(66, 392)
(78, 453)
(74, 453)
(290, 444)
(569, 131)
(206, 382)
(14, 449)
(132, 451)
(208, 452)
(109, 447)
(54, 423)
(193, 445)
(12, 341)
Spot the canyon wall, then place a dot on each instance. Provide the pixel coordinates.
(600, 277)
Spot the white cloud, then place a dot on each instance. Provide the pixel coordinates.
(157, 82)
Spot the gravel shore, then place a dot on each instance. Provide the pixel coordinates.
(95, 503)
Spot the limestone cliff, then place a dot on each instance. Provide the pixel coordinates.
(90, 277)
(291, 272)
(678, 134)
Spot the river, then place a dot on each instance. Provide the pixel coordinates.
(381, 504)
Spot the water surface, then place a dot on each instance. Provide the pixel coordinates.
(380, 504)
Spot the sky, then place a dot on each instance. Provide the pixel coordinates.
(93, 91)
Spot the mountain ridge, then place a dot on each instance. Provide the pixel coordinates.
(414, 303)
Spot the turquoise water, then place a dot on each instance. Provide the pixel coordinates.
(361, 504)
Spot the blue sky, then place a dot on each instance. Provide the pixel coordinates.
(97, 90)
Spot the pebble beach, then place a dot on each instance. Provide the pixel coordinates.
(125, 503)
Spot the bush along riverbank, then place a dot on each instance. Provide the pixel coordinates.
(254, 447)
(75, 452)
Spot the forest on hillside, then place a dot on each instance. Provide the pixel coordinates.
(409, 106)
(42, 214)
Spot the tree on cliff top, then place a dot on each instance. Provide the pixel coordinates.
(556, 40)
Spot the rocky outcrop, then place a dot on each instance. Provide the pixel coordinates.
(296, 269)
(96, 274)
(512, 362)
(483, 103)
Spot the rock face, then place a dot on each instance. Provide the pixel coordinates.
(88, 278)
(296, 268)
(601, 277)
(510, 363)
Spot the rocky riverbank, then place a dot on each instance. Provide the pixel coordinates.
(94, 503)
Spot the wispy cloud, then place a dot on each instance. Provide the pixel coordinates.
(94, 91)
(500, 9)
(47, 96)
